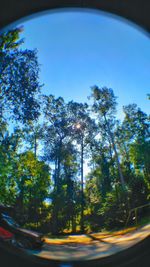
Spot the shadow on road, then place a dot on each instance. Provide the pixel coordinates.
(97, 239)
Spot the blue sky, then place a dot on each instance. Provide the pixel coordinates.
(78, 49)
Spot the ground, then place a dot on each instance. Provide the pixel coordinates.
(93, 246)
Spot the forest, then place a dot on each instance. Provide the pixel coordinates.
(46, 143)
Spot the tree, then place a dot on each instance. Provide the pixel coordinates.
(101, 168)
(19, 85)
(105, 108)
(33, 134)
(56, 131)
(33, 184)
(122, 134)
(84, 129)
(138, 129)
(70, 184)
(9, 143)
(62, 133)
(57, 127)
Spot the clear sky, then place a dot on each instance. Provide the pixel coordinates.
(79, 49)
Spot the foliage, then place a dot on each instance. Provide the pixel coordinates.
(43, 154)
(19, 83)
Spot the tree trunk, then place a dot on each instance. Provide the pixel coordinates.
(82, 193)
(35, 145)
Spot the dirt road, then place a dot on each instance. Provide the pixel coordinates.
(94, 249)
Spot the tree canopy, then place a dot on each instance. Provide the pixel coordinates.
(46, 144)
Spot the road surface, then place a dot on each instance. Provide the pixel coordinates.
(95, 249)
(57, 253)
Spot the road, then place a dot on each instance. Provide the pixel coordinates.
(95, 249)
(101, 248)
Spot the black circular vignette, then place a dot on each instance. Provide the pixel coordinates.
(136, 11)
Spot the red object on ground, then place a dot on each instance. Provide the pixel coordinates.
(5, 234)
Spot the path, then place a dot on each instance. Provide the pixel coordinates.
(94, 249)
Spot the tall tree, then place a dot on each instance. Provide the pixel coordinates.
(137, 133)
(83, 131)
(105, 108)
(33, 135)
(56, 129)
(19, 74)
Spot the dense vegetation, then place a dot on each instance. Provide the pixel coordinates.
(44, 143)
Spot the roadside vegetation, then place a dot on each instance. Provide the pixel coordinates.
(45, 142)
